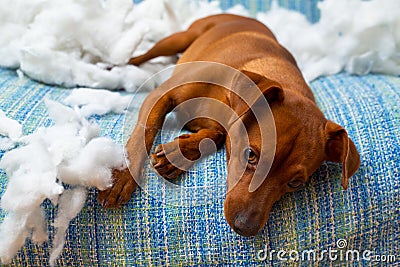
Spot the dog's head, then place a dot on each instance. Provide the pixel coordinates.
(304, 139)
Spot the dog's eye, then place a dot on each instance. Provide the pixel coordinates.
(295, 184)
(250, 156)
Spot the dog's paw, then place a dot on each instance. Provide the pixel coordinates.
(120, 192)
(174, 158)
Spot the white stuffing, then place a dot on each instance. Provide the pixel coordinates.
(71, 42)
(10, 132)
(97, 101)
(70, 152)
(352, 35)
(6, 143)
(16, 227)
(9, 128)
(32, 178)
(20, 74)
(70, 204)
(92, 166)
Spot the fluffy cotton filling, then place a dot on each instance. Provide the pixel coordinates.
(70, 152)
(352, 35)
(71, 43)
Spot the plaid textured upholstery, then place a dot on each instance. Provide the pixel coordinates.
(146, 232)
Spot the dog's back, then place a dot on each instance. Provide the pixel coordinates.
(220, 37)
(240, 42)
(304, 137)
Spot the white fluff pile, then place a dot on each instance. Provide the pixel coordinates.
(71, 42)
(352, 35)
(10, 131)
(97, 102)
(9, 127)
(70, 152)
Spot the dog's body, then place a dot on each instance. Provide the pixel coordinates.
(304, 137)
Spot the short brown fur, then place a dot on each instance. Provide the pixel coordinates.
(305, 138)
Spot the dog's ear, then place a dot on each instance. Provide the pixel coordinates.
(271, 90)
(340, 148)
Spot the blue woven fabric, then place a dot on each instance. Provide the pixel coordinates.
(146, 232)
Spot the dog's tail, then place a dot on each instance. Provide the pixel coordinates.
(180, 41)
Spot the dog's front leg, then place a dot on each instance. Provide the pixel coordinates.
(174, 158)
(151, 118)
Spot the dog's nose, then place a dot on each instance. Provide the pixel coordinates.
(244, 227)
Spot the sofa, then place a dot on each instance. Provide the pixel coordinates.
(320, 218)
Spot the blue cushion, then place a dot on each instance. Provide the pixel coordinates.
(147, 232)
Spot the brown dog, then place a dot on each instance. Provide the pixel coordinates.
(304, 137)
